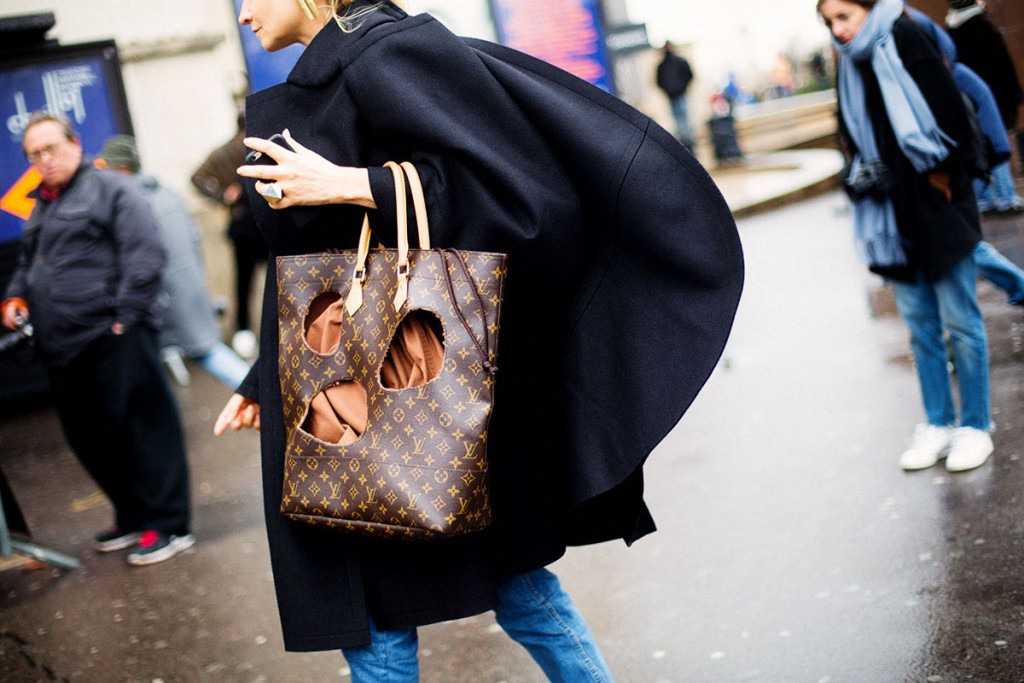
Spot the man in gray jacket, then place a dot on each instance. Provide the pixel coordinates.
(88, 276)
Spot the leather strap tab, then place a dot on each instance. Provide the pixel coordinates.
(354, 300)
(402, 291)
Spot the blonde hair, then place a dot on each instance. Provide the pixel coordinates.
(348, 20)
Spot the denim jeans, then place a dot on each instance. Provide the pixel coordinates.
(949, 305)
(1000, 271)
(224, 365)
(681, 114)
(534, 611)
(1000, 193)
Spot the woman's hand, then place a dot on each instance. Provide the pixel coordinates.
(940, 181)
(305, 178)
(239, 413)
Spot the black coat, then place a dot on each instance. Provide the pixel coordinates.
(625, 270)
(89, 258)
(981, 46)
(937, 233)
(674, 75)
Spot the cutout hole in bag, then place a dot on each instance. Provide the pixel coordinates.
(338, 414)
(416, 353)
(322, 324)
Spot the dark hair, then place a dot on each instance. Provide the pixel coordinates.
(866, 4)
(38, 117)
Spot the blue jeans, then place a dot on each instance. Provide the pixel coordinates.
(534, 611)
(998, 194)
(224, 365)
(1000, 271)
(681, 114)
(929, 309)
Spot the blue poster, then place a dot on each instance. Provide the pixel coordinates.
(264, 68)
(84, 87)
(566, 33)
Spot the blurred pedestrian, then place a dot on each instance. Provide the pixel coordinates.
(674, 76)
(88, 278)
(981, 46)
(906, 124)
(218, 179)
(993, 180)
(819, 70)
(722, 126)
(995, 193)
(783, 79)
(516, 156)
(188, 322)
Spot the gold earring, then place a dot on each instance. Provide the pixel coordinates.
(309, 8)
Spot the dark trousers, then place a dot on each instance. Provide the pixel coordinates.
(248, 255)
(122, 422)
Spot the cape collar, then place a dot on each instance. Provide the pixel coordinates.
(325, 55)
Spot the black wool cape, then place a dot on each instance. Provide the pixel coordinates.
(624, 273)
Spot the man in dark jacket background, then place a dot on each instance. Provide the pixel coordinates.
(981, 46)
(674, 76)
(89, 275)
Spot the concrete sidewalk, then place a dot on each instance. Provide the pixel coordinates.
(762, 182)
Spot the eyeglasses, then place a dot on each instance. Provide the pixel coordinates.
(48, 151)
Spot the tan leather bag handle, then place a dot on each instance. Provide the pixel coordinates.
(354, 300)
(419, 203)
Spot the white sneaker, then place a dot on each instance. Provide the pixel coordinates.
(926, 447)
(971, 448)
(244, 344)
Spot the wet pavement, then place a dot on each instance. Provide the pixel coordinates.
(791, 548)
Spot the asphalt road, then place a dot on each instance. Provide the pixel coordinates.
(791, 548)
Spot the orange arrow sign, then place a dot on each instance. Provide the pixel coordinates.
(16, 200)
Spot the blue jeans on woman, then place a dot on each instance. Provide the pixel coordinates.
(948, 305)
(534, 611)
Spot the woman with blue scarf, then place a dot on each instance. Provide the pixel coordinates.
(906, 131)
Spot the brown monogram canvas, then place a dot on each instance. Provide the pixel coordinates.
(420, 468)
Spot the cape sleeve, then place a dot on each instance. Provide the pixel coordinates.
(622, 252)
(482, 162)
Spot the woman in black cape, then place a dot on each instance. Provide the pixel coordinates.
(625, 270)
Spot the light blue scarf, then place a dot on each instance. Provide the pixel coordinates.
(915, 127)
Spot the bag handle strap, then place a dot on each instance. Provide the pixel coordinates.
(354, 300)
(402, 221)
(418, 203)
